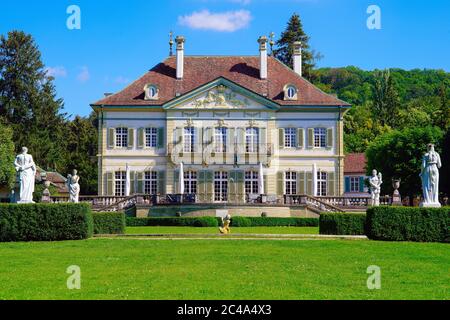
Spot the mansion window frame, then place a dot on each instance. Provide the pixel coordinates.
(220, 139)
(119, 183)
(290, 137)
(121, 137)
(151, 182)
(290, 182)
(189, 139)
(320, 137)
(151, 137)
(190, 182)
(251, 139)
(322, 183)
(220, 186)
(251, 182)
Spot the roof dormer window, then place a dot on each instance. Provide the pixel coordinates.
(151, 92)
(290, 92)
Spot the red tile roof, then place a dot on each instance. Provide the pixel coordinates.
(355, 163)
(200, 70)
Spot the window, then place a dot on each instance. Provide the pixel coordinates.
(290, 137)
(121, 137)
(251, 182)
(189, 138)
(120, 179)
(151, 182)
(220, 139)
(320, 137)
(151, 136)
(151, 92)
(290, 179)
(354, 184)
(190, 182)
(321, 183)
(220, 186)
(290, 92)
(251, 139)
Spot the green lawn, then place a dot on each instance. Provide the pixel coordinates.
(224, 269)
(212, 230)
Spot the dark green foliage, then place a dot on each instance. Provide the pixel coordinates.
(273, 222)
(408, 224)
(109, 222)
(45, 222)
(398, 154)
(168, 221)
(7, 172)
(342, 223)
(283, 52)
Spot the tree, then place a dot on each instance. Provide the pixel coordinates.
(283, 52)
(398, 154)
(443, 114)
(7, 171)
(386, 102)
(444, 182)
(28, 100)
(82, 142)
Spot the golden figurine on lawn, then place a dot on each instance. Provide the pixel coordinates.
(225, 229)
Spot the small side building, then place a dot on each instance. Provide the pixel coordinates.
(355, 175)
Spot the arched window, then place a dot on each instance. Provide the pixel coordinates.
(290, 92)
(151, 92)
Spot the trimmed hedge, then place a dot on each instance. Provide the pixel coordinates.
(273, 222)
(169, 221)
(342, 223)
(109, 222)
(408, 224)
(45, 222)
(214, 221)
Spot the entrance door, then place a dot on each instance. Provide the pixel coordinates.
(220, 186)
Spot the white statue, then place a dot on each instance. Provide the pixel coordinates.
(26, 170)
(375, 182)
(431, 162)
(73, 186)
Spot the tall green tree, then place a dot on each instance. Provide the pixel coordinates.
(284, 46)
(386, 102)
(398, 154)
(443, 114)
(81, 135)
(28, 100)
(7, 171)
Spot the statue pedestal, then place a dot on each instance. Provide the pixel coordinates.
(429, 205)
(396, 198)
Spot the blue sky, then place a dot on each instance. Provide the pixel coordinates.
(120, 40)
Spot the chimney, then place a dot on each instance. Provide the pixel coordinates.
(297, 58)
(180, 56)
(262, 57)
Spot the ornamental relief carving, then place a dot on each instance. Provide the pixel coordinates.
(221, 96)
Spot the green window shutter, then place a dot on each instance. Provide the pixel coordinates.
(310, 137)
(262, 135)
(209, 183)
(309, 184)
(300, 134)
(347, 184)
(301, 182)
(240, 187)
(330, 137)
(330, 183)
(280, 183)
(160, 143)
(361, 184)
(111, 137)
(109, 177)
(266, 183)
(162, 182)
(130, 141)
(201, 186)
(141, 137)
(132, 182)
(232, 186)
(230, 138)
(281, 138)
(140, 182)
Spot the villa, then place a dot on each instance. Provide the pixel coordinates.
(240, 129)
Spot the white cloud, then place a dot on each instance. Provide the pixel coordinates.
(225, 22)
(84, 75)
(56, 72)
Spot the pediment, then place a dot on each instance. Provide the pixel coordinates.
(218, 95)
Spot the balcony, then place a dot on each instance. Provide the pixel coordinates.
(233, 154)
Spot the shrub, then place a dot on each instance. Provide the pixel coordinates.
(45, 222)
(109, 222)
(237, 221)
(169, 221)
(408, 224)
(342, 223)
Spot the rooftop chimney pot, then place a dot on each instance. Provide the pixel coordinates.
(297, 58)
(180, 56)
(262, 57)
